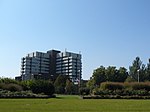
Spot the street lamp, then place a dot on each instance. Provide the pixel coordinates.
(138, 75)
(79, 82)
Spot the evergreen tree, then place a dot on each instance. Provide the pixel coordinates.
(135, 68)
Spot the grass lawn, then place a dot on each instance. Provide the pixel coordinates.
(73, 104)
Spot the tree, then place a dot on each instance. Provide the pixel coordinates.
(147, 71)
(122, 74)
(111, 71)
(90, 84)
(99, 76)
(60, 84)
(111, 74)
(142, 74)
(133, 70)
(41, 86)
(70, 87)
(130, 79)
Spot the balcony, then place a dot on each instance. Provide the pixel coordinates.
(58, 62)
(58, 69)
(58, 66)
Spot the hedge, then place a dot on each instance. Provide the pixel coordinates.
(128, 86)
(113, 89)
(111, 86)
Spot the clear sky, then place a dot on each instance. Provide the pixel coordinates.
(107, 32)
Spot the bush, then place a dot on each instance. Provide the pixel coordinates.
(41, 86)
(123, 89)
(25, 85)
(84, 91)
(137, 86)
(141, 86)
(8, 81)
(111, 86)
(11, 87)
(2, 85)
(21, 94)
(102, 92)
(60, 90)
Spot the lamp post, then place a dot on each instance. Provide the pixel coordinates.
(79, 83)
(138, 75)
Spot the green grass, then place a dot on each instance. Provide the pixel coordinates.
(73, 104)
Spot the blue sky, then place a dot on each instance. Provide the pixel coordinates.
(107, 32)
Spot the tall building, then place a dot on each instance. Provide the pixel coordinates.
(68, 63)
(49, 65)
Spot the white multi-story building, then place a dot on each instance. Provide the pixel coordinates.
(51, 64)
(35, 64)
(68, 63)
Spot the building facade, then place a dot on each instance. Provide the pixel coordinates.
(35, 64)
(49, 65)
(68, 63)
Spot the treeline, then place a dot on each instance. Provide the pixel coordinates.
(37, 88)
(32, 88)
(110, 74)
(110, 81)
(138, 72)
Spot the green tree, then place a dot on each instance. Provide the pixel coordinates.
(111, 73)
(41, 86)
(133, 70)
(122, 74)
(91, 84)
(83, 83)
(147, 71)
(130, 79)
(142, 74)
(70, 87)
(99, 76)
(60, 84)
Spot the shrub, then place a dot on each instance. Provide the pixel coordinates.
(84, 91)
(11, 87)
(2, 85)
(8, 81)
(137, 86)
(117, 92)
(60, 90)
(127, 92)
(41, 86)
(102, 92)
(25, 85)
(141, 86)
(123, 89)
(20, 94)
(111, 86)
